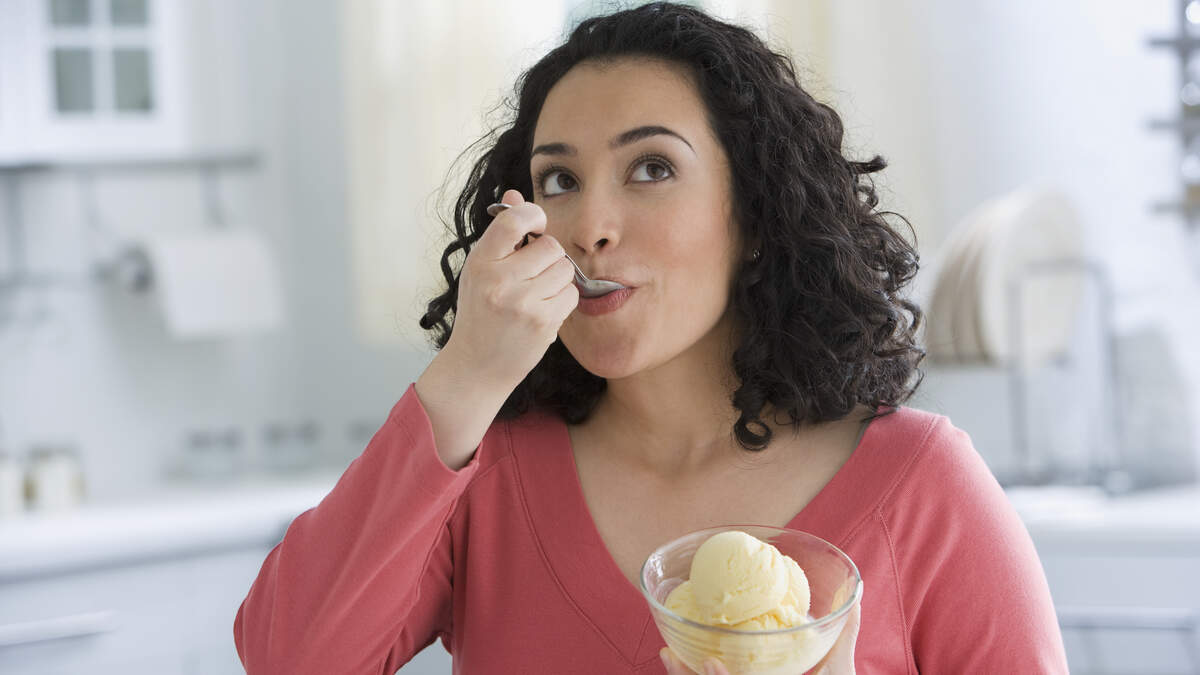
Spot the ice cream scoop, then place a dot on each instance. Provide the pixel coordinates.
(741, 582)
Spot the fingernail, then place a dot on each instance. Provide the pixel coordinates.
(709, 668)
(666, 657)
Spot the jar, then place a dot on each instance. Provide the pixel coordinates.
(55, 478)
(289, 447)
(12, 494)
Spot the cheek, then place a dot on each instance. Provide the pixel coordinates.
(698, 274)
(701, 255)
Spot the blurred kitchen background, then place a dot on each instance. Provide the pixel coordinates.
(219, 222)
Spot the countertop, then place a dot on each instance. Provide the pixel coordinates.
(1160, 522)
(182, 519)
(169, 520)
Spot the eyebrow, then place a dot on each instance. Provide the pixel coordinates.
(632, 136)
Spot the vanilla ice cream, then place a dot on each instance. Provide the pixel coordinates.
(743, 583)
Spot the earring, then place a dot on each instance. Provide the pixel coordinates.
(755, 254)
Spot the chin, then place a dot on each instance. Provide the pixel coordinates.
(608, 368)
(611, 362)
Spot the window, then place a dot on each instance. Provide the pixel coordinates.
(101, 58)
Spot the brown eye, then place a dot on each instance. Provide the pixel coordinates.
(653, 171)
(557, 182)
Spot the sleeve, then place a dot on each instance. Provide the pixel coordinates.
(973, 585)
(361, 582)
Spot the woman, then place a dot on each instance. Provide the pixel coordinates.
(751, 372)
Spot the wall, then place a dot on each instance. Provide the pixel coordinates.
(103, 373)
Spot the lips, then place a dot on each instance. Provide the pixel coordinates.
(604, 304)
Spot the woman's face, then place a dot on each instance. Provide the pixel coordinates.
(636, 188)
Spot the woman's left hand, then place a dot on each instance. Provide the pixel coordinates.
(677, 667)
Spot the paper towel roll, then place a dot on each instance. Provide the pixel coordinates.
(219, 283)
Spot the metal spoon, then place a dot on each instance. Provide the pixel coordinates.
(588, 288)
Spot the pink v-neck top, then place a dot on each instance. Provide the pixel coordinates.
(502, 561)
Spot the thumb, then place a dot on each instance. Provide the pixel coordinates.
(840, 659)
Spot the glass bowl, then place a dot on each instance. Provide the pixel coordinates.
(833, 580)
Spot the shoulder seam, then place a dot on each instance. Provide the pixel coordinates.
(443, 527)
(887, 494)
(452, 517)
(485, 471)
(922, 446)
(403, 427)
(887, 534)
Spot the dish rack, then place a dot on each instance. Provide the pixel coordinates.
(1013, 374)
(1105, 469)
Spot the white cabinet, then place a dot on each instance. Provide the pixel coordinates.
(14, 14)
(172, 617)
(219, 583)
(91, 78)
(1135, 595)
(1122, 572)
(149, 585)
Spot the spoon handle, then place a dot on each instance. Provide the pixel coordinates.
(579, 275)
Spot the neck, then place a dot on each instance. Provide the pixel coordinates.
(676, 420)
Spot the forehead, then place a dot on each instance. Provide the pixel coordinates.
(595, 101)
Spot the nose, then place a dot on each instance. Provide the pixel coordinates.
(595, 225)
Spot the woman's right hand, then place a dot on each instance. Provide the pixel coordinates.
(510, 305)
(511, 299)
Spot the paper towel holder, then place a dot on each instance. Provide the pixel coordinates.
(129, 267)
(124, 266)
(20, 278)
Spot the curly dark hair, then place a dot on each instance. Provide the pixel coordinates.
(823, 324)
